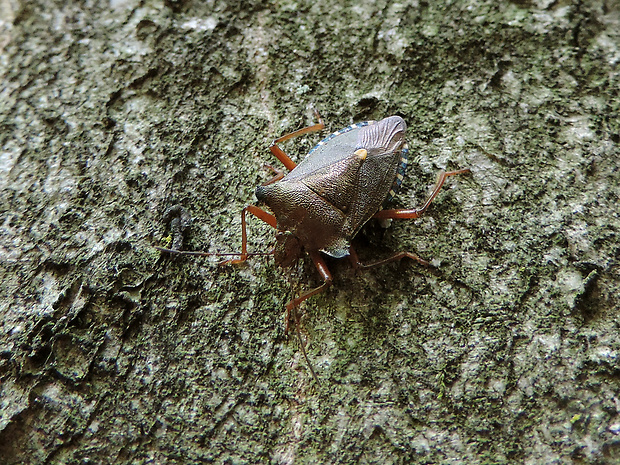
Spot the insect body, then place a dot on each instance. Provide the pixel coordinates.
(321, 204)
(339, 186)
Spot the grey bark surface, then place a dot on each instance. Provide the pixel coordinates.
(507, 352)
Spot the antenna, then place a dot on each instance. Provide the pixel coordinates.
(208, 254)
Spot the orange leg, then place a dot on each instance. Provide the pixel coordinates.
(243, 256)
(354, 259)
(279, 153)
(277, 175)
(416, 213)
(405, 214)
(261, 215)
(393, 258)
(358, 265)
(321, 266)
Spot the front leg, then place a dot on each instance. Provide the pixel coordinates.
(279, 153)
(261, 215)
(243, 256)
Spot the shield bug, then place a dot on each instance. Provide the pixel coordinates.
(321, 204)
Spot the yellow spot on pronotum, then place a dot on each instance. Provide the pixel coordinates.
(361, 153)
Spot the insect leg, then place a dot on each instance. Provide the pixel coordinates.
(358, 265)
(261, 215)
(321, 266)
(416, 213)
(279, 153)
(254, 210)
(393, 258)
(302, 346)
(277, 175)
(354, 259)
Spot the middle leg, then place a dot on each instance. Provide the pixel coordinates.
(416, 213)
(321, 266)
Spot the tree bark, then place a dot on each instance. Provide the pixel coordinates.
(506, 351)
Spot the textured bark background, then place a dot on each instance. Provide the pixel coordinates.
(110, 352)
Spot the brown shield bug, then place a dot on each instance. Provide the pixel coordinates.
(322, 203)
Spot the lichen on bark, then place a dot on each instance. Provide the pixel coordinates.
(111, 113)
